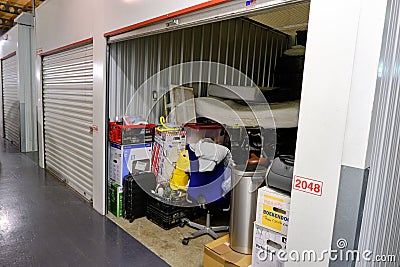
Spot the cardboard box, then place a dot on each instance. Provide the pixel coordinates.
(218, 253)
(273, 209)
(266, 247)
(115, 198)
(127, 159)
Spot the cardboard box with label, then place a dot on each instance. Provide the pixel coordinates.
(115, 198)
(218, 253)
(273, 209)
(127, 159)
(268, 246)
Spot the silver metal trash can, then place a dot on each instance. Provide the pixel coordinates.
(244, 205)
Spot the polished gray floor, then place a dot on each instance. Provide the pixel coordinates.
(44, 223)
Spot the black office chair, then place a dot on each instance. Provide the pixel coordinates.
(206, 187)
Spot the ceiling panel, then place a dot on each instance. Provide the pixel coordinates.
(286, 19)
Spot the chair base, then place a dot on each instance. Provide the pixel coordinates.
(202, 229)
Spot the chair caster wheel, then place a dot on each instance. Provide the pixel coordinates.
(131, 220)
(185, 241)
(182, 224)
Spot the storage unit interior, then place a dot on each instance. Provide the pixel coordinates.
(142, 69)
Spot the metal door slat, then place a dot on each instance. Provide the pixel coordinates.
(11, 113)
(68, 114)
(73, 137)
(80, 163)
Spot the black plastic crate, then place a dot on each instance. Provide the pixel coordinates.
(168, 216)
(158, 204)
(166, 220)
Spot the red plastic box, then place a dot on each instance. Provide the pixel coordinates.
(197, 131)
(130, 134)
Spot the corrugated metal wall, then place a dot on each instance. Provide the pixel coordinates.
(381, 221)
(239, 43)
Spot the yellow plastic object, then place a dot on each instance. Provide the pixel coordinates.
(180, 178)
(164, 127)
(183, 161)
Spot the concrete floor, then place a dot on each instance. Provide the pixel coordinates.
(167, 244)
(45, 223)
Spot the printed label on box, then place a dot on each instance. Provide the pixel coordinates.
(273, 218)
(273, 209)
(141, 166)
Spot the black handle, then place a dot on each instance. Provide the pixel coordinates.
(287, 159)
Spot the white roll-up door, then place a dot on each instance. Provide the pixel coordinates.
(11, 118)
(68, 116)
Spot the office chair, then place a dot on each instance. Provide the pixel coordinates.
(206, 187)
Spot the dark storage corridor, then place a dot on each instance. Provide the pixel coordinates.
(44, 223)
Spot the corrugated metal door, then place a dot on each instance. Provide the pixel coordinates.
(68, 116)
(381, 220)
(11, 118)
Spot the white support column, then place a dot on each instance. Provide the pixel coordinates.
(26, 86)
(99, 119)
(99, 114)
(343, 48)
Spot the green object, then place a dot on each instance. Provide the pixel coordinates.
(115, 199)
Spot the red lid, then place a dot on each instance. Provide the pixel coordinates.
(203, 126)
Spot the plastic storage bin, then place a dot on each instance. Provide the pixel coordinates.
(130, 134)
(197, 131)
(168, 216)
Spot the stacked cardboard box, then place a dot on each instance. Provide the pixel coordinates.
(166, 149)
(270, 227)
(130, 153)
(218, 253)
(126, 159)
(115, 199)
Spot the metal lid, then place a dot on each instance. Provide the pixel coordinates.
(249, 170)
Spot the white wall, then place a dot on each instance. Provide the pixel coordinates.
(62, 22)
(10, 45)
(361, 98)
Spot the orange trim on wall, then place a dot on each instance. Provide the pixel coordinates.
(166, 16)
(65, 47)
(9, 55)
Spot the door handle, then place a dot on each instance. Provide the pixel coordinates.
(93, 128)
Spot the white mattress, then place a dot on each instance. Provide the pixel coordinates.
(225, 111)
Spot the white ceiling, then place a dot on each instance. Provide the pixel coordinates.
(287, 19)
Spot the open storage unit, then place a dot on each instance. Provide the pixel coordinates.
(245, 50)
